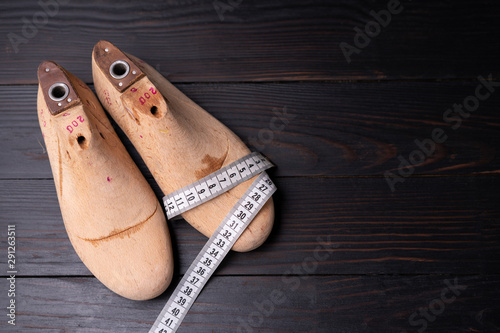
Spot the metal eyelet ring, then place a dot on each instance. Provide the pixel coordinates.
(119, 69)
(58, 91)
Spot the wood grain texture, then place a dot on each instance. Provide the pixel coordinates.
(319, 304)
(109, 210)
(179, 141)
(260, 40)
(334, 129)
(432, 225)
(392, 251)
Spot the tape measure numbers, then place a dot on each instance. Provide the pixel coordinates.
(215, 184)
(224, 237)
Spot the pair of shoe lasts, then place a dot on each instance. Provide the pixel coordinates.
(111, 215)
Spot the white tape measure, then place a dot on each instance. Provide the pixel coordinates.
(223, 239)
(215, 184)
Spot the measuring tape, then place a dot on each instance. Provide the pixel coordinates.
(215, 184)
(223, 239)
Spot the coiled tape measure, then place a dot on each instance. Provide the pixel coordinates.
(223, 239)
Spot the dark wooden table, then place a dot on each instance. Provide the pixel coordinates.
(378, 228)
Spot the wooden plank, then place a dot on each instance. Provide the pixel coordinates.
(258, 41)
(430, 225)
(333, 129)
(320, 304)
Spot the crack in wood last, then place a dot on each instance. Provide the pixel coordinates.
(121, 233)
